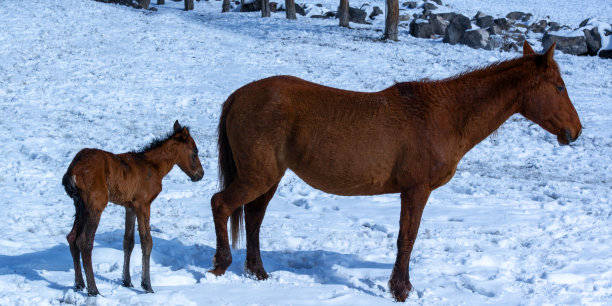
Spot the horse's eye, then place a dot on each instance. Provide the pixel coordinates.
(560, 88)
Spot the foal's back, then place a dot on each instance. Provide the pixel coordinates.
(119, 176)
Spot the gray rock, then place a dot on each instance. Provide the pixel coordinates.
(509, 46)
(300, 10)
(519, 16)
(421, 28)
(584, 22)
(477, 39)
(410, 4)
(447, 16)
(494, 30)
(538, 27)
(593, 40)
(454, 31)
(572, 45)
(438, 2)
(404, 17)
(439, 25)
(375, 12)
(495, 42)
(254, 6)
(484, 21)
(554, 26)
(503, 23)
(605, 54)
(357, 15)
(429, 6)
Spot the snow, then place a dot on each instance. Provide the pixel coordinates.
(524, 220)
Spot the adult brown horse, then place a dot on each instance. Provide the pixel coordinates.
(132, 180)
(407, 138)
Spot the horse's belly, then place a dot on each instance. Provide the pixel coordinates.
(343, 182)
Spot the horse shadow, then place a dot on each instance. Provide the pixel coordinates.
(324, 267)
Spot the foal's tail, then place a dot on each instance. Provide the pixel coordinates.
(79, 205)
(227, 171)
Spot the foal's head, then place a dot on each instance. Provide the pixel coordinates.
(187, 153)
(546, 102)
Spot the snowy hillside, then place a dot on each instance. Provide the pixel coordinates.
(524, 220)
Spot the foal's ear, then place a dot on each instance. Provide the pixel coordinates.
(185, 133)
(177, 126)
(527, 48)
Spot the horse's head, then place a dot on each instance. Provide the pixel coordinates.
(547, 102)
(187, 153)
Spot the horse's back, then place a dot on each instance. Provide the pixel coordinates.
(339, 141)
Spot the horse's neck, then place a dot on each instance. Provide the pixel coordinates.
(161, 158)
(480, 103)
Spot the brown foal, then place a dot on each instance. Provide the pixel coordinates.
(407, 138)
(132, 180)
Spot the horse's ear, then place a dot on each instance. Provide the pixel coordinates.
(185, 133)
(527, 48)
(177, 126)
(550, 53)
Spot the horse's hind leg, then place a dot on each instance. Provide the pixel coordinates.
(94, 204)
(146, 242)
(253, 216)
(79, 283)
(223, 204)
(128, 245)
(85, 244)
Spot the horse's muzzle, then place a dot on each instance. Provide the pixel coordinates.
(569, 138)
(197, 176)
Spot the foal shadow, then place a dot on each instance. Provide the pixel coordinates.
(31, 265)
(324, 267)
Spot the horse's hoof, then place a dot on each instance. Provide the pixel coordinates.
(128, 284)
(259, 273)
(79, 286)
(94, 292)
(400, 291)
(217, 271)
(147, 288)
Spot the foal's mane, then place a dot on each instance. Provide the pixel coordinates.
(156, 143)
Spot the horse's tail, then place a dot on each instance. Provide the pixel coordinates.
(79, 204)
(227, 171)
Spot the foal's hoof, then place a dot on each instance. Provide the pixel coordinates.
(93, 292)
(79, 286)
(217, 271)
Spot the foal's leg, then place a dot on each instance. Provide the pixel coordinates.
(253, 216)
(128, 245)
(146, 242)
(85, 244)
(223, 204)
(413, 203)
(77, 228)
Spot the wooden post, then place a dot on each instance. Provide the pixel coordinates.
(188, 5)
(225, 7)
(343, 13)
(290, 9)
(391, 20)
(265, 8)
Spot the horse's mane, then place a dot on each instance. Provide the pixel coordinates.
(156, 143)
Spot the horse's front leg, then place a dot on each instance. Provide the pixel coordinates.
(143, 215)
(413, 203)
(128, 245)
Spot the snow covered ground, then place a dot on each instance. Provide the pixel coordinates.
(524, 221)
